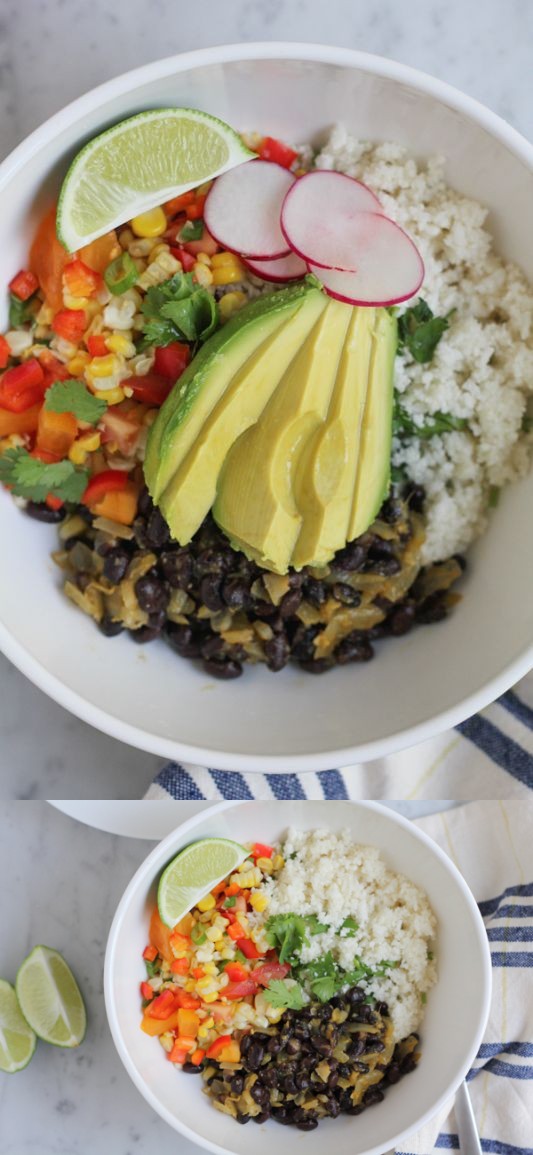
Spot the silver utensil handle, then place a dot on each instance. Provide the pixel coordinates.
(466, 1124)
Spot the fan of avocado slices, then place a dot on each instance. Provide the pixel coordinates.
(281, 426)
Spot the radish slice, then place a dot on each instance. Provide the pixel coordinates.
(389, 266)
(284, 269)
(243, 207)
(317, 216)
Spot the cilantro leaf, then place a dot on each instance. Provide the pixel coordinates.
(74, 397)
(191, 231)
(403, 425)
(314, 926)
(157, 332)
(193, 318)
(33, 479)
(279, 994)
(229, 902)
(287, 934)
(348, 928)
(152, 968)
(384, 966)
(178, 310)
(420, 331)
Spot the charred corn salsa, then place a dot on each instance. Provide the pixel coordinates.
(261, 990)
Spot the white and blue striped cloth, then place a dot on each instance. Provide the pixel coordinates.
(488, 756)
(491, 844)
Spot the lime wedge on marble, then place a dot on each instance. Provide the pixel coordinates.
(17, 1040)
(140, 163)
(50, 998)
(193, 873)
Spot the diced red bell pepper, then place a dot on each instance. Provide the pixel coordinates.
(186, 1001)
(239, 990)
(275, 150)
(44, 455)
(197, 1057)
(24, 285)
(70, 324)
(264, 974)
(180, 966)
(171, 360)
(96, 345)
(150, 953)
(236, 972)
(182, 255)
(248, 948)
(106, 482)
(5, 352)
(53, 368)
(179, 203)
(22, 386)
(150, 389)
(80, 280)
(147, 992)
(260, 850)
(178, 1054)
(162, 1006)
(195, 211)
(217, 1046)
(53, 502)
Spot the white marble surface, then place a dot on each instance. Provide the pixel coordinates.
(53, 50)
(65, 881)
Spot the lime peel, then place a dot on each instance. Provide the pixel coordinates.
(50, 998)
(17, 1039)
(193, 873)
(138, 164)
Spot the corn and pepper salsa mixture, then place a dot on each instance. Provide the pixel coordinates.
(228, 998)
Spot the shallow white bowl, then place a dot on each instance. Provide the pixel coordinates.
(457, 1007)
(420, 685)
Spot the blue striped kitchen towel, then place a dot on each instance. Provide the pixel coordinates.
(488, 756)
(491, 844)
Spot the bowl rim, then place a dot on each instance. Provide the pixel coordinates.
(36, 671)
(144, 875)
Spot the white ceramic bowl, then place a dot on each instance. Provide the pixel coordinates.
(457, 1007)
(434, 677)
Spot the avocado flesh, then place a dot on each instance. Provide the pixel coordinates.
(182, 416)
(373, 472)
(324, 484)
(190, 494)
(256, 504)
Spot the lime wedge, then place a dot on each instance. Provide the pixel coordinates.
(193, 873)
(50, 998)
(140, 163)
(17, 1040)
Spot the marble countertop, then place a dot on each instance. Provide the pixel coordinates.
(65, 882)
(51, 52)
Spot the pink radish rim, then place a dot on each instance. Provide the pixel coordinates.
(240, 252)
(272, 279)
(318, 172)
(368, 304)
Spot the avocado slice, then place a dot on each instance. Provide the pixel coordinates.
(188, 497)
(181, 418)
(324, 484)
(373, 473)
(256, 504)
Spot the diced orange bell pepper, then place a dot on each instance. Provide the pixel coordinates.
(24, 285)
(177, 1054)
(218, 1045)
(179, 203)
(150, 953)
(153, 1027)
(56, 432)
(197, 1057)
(98, 254)
(163, 1005)
(120, 506)
(48, 259)
(147, 991)
(180, 966)
(21, 423)
(70, 324)
(185, 1043)
(179, 941)
(231, 1053)
(80, 280)
(188, 1022)
(160, 936)
(234, 931)
(232, 889)
(187, 1001)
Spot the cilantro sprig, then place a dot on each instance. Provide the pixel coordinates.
(280, 994)
(34, 480)
(288, 933)
(403, 425)
(420, 331)
(74, 397)
(178, 310)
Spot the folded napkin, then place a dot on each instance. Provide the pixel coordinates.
(488, 756)
(491, 844)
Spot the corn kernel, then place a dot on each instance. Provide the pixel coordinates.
(119, 343)
(249, 878)
(204, 259)
(161, 247)
(222, 260)
(206, 903)
(202, 275)
(72, 302)
(150, 224)
(227, 276)
(219, 944)
(264, 864)
(190, 986)
(90, 441)
(112, 396)
(230, 303)
(103, 366)
(77, 454)
(210, 998)
(278, 862)
(209, 1023)
(210, 969)
(259, 902)
(204, 982)
(212, 933)
(203, 1032)
(167, 1041)
(77, 364)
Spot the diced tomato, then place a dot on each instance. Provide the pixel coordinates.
(217, 1046)
(239, 990)
(150, 953)
(162, 1006)
(275, 150)
(53, 502)
(96, 345)
(53, 368)
(220, 1012)
(121, 428)
(182, 255)
(80, 280)
(5, 352)
(180, 966)
(147, 992)
(44, 455)
(22, 386)
(236, 972)
(70, 324)
(187, 1001)
(264, 974)
(106, 482)
(205, 244)
(24, 285)
(150, 389)
(171, 360)
(248, 948)
(260, 850)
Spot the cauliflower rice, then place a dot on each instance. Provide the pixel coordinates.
(329, 875)
(482, 369)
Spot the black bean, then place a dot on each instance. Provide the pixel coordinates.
(255, 1055)
(357, 1047)
(352, 557)
(109, 628)
(41, 512)
(151, 593)
(316, 592)
(392, 510)
(382, 1008)
(259, 1094)
(215, 561)
(393, 1073)
(191, 1069)
(243, 1118)
(321, 1044)
(402, 619)
(433, 609)
(289, 603)
(302, 1080)
(246, 1043)
(269, 1076)
(293, 1046)
(145, 504)
(277, 652)
(386, 566)
(346, 594)
(262, 1118)
(274, 1046)
(214, 647)
(157, 532)
(408, 1064)
(317, 665)
(144, 634)
(333, 1080)
(237, 1085)
(177, 568)
(264, 609)
(235, 592)
(416, 496)
(355, 995)
(223, 670)
(352, 1110)
(309, 1124)
(354, 648)
(373, 1095)
(116, 562)
(302, 643)
(184, 641)
(210, 592)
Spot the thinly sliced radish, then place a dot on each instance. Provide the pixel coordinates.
(243, 208)
(389, 266)
(284, 269)
(317, 213)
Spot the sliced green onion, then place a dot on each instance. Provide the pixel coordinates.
(198, 935)
(121, 274)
